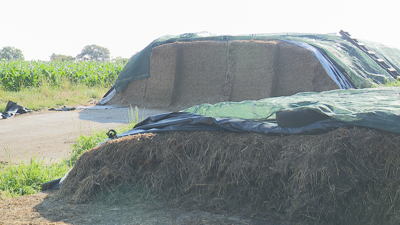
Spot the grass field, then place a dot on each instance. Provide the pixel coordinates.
(15, 75)
(37, 85)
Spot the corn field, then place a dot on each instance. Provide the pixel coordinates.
(17, 74)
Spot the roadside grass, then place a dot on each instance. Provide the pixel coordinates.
(49, 96)
(26, 178)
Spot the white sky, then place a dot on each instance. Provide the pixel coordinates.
(43, 27)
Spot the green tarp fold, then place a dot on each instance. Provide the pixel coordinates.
(370, 107)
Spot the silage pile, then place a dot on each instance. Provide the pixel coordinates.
(346, 176)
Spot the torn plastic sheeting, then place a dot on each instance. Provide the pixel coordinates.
(13, 109)
(181, 121)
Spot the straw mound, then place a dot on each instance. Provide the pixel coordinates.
(346, 176)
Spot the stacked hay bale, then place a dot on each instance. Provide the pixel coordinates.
(184, 74)
(163, 64)
(346, 176)
(298, 70)
(200, 73)
(254, 76)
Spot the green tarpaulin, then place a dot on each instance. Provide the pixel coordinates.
(370, 107)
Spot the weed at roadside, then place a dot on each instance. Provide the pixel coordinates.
(26, 178)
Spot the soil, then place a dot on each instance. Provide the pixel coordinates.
(49, 135)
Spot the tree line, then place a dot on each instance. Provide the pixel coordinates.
(88, 53)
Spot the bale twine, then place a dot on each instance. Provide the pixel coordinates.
(346, 176)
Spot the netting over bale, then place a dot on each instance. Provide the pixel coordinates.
(347, 176)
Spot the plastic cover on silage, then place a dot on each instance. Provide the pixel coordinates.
(370, 107)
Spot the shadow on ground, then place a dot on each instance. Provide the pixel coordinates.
(53, 209)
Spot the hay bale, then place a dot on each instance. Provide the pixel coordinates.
(347, 176)
(163, 65)
(254, 69)
(298, 70)
(201, 68)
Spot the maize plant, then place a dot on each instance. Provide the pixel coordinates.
(17, 74)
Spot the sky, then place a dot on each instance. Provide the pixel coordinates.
(42, 27)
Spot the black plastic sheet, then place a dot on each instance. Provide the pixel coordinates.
(182, 121)
(13, 109)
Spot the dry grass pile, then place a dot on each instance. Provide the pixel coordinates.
(346, 176)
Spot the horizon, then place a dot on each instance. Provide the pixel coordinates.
(41, 28)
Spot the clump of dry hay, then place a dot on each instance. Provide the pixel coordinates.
(346, 176)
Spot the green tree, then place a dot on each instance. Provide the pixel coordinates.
(62, 58)
(11, 53)
(94, 52)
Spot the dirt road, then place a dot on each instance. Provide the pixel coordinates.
(50, 134)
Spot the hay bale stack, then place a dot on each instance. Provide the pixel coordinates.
(347, 176)
(254, 63)
(298, 70)
(184, 74)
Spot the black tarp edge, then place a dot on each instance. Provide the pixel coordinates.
(183, 121)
